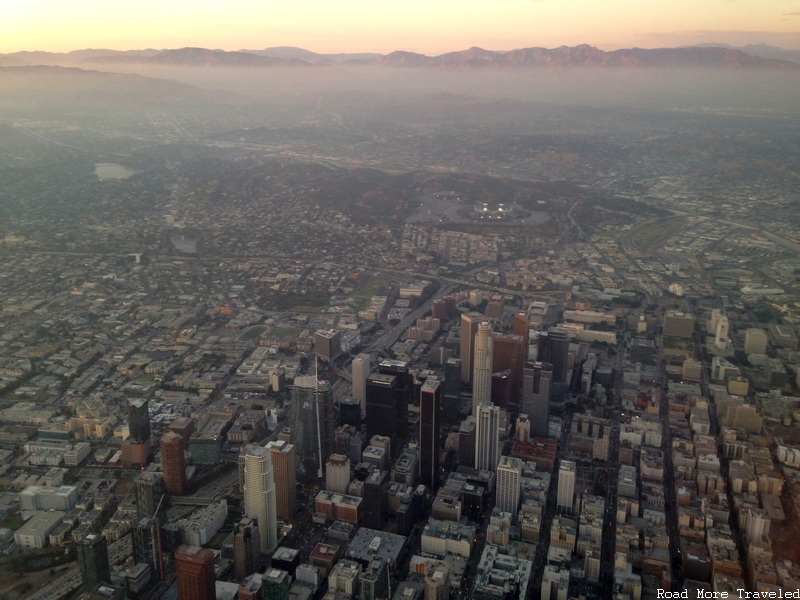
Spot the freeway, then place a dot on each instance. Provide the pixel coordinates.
(390, 337)
(65, 585)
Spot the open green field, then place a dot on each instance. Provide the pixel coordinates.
(657, 233)
(252, 333)
(308, 309)
(371, 287)
(12, 522)
(280, 332)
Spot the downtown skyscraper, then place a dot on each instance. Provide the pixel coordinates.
(509, 473)
(93, 561)
(173, 463)
(284, 471)
(487, 437)
(314, 425)
(537, 385)
(361, 367)
(482, 372)
(246, 548)
(566, 487)
(194, 568)
(554, 349)
(429, 432)
(469, 329)
(260, 502)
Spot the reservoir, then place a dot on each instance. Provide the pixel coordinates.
(111, 171)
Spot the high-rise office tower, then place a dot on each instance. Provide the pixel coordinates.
(487, 437)
(405, 395)
(482, 371)
(150, 491)
(337, 473)
(429, 434)
(138, 419)
(495, 308)
(566, 487)
(194, 567)
(508, 354)
(466, 442)
(439, 309)
(521, 328)
(375, 499)
(362, 366)
(450, 302)
(469, 329)
(171, 535)
(285, 473)
(537, 382)
(173, 463)
(136, 449)
(509, 473)
(93, 561)
(147, 546)
(314, 427)
(350, 412)
(184, 427)
(246, 548)
(382, 409)
(328, 344)
(554, 349)
(259, 494)
(452, 377)
(501, 388)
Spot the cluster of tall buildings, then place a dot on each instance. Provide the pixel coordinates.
(499, 369)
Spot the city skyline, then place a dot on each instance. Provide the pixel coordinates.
(519, 324)
(356, 26)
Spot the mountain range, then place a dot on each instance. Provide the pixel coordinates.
(755, 56)
(760, 50)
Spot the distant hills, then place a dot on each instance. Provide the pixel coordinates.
(314, 57)
(758, 56)
(46, 86)
(589, 56)
(760, 50)
(202, 57)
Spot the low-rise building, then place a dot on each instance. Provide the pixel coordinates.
(35, 533)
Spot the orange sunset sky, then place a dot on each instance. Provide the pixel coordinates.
(430, 26)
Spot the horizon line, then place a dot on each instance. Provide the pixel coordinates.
(603, 47)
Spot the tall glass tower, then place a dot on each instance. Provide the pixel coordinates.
(259, 494)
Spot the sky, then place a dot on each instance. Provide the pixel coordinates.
(426, 26)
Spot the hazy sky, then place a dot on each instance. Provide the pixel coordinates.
(428, 26)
